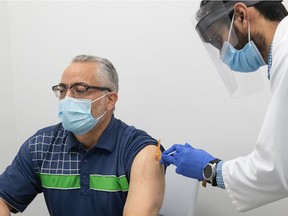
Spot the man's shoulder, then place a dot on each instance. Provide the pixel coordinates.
(47, 134)
(130, 130)
(50, 129)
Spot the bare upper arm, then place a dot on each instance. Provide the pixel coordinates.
(4, 208)
(146, 186)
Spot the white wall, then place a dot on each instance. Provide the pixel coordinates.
(168, 85)
(7, 114)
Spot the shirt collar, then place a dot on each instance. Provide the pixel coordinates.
(107, 140)
(71, 141)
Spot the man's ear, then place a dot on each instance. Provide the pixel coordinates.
(112, 99)
(241, 18)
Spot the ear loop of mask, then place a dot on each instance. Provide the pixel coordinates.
(230, 30)
(102, 115)
(99, 99)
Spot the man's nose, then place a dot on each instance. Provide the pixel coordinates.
(68, 93)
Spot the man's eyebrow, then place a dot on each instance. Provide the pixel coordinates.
(77, 83)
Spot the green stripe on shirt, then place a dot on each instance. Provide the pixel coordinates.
(108, 183)
(97, 182)
(55, 181)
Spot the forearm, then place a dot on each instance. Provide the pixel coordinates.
(4, 208)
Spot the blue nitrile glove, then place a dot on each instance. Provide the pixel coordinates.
(189, 161)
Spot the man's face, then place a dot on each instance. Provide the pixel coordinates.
(80, 73)
(220, 35)
(256, 37)
(86, 74)
(242, 38)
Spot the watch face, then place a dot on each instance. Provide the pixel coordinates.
(208, 172)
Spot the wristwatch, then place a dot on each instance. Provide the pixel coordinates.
(209, 172)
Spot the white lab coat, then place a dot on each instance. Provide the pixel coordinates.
(262, 176)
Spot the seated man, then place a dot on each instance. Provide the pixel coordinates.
(91, 163)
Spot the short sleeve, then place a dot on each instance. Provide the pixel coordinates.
(136, 141)
(19, 184)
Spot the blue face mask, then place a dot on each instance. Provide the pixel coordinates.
(75, 114)
(247, 59)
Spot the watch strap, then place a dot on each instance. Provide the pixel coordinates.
(215, 162)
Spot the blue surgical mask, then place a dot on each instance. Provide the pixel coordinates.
(247, 59)
(75, 114)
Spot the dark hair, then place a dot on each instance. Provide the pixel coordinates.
(271, 10)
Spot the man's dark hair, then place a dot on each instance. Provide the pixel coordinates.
(271, 10)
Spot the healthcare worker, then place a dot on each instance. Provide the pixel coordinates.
(242, 36)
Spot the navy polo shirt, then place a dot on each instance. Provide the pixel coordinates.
(74, 181)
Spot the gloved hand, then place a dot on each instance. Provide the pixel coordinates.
(189, 161)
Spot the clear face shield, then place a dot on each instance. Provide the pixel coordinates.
(215, 27)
